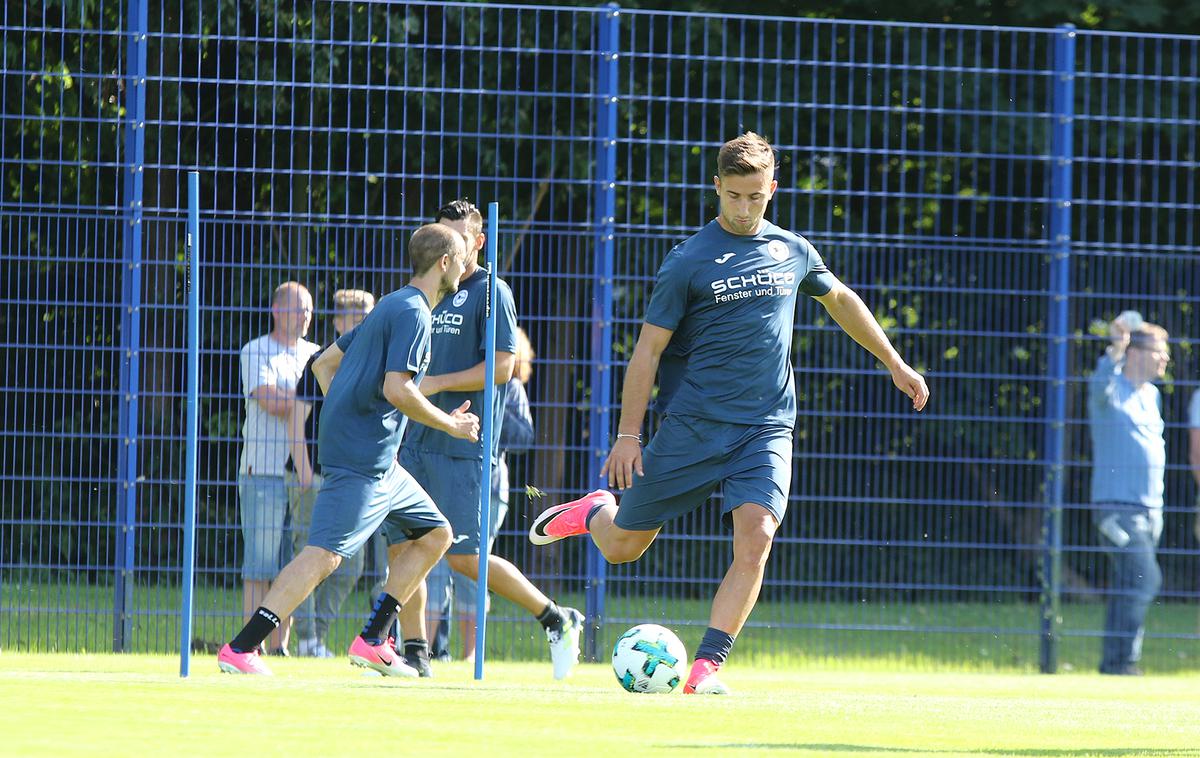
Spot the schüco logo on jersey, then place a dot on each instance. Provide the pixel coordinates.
(763, 283)
(445, 322)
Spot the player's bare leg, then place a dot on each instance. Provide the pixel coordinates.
(408, 564)
(504, 579)
(293, 584)
(299, 578)
(414, 627)
(753, 532)
(412, 616)
(616, 544)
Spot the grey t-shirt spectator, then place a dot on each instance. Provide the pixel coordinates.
(265, 362)
(1129, 455)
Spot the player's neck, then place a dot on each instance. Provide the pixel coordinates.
(725, 226)
(430, 285)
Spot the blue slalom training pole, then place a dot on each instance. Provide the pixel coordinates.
(192, 280)
(486, 431)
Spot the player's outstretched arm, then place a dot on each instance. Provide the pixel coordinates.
(326, 365)
(625, 458)
(850, 313)
(471, 379)
(401, 392)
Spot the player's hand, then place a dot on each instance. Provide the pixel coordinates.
(624, 460)
(912, 384)
(304, 477)
(464, 425)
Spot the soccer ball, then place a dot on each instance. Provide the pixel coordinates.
(649, 658)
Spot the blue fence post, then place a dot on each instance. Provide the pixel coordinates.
(1057, 326)
(602, 301)
(131, 295)
(192, 418)
(487, 416)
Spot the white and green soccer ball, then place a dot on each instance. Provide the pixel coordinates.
(649, 658)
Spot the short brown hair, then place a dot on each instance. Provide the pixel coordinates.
(429, 243)
(353, 301)
(744, 155)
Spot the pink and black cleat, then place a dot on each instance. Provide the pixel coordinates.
(703, 680)
(382, 658)
(567, 519)
(241, 663)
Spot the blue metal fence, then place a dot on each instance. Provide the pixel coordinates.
(992, 193)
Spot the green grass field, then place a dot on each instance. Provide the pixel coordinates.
(902, 636)
(99, 705)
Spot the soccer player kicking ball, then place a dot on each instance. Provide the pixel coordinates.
(720, 320)
(369, 377)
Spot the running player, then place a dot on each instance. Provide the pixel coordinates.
(369, 377)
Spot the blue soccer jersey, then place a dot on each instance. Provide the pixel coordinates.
(731, 302)
(458, 344)
(359, 429)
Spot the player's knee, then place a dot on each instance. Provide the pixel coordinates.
(437, 540)
(623, 550)
(753, 547)
(323, 562)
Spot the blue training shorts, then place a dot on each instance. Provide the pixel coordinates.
(453, 483)
(689, 456)
(351, 506)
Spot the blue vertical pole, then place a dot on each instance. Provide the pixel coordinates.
(487, 432)
(131, 300)
(1058, 322)
(192, 277)
(602, 302)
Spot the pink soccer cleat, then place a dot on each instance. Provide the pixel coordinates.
(567, 519)
(241, 663)
(703, 680)
(382, 658)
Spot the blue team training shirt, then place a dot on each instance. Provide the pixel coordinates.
(359, 429)
(731, 302)
(458, 344)
(1129, 455)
